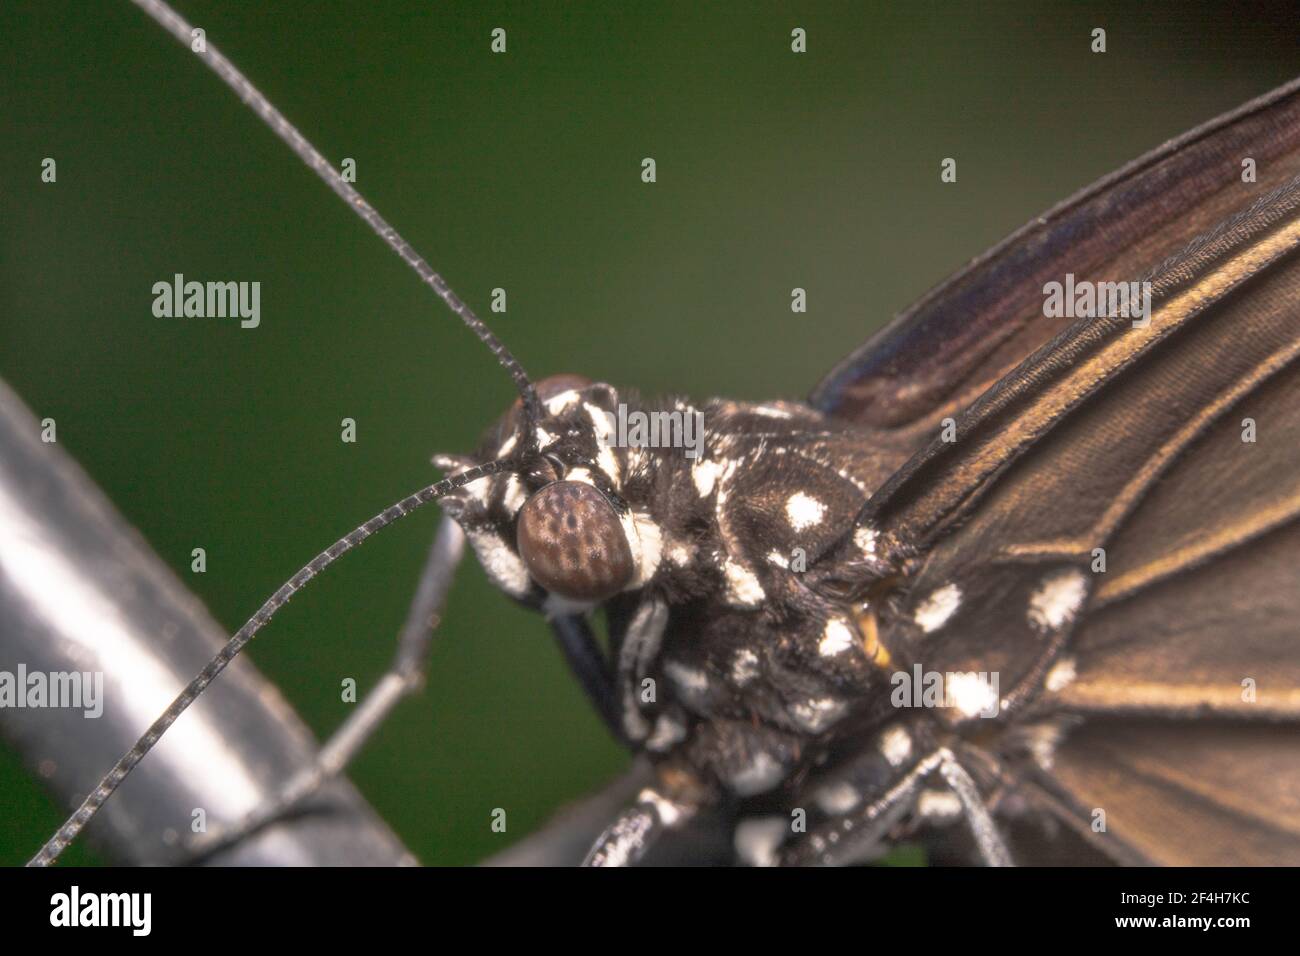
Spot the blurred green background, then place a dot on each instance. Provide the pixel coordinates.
(521, 170)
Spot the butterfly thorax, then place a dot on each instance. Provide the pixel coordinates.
(718, 540)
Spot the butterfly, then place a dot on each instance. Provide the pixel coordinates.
(983, 491)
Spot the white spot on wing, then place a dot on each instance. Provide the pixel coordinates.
(935, 610)
(1042, 741)
(971, 694)
(804, 511)
(1061, 675)
(1057, 600)
(864, 539)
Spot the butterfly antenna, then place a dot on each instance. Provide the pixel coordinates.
(113, 779)
(240, 85)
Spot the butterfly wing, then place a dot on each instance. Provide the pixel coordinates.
(940, 354)
(1111, 531)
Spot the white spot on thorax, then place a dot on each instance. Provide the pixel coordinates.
(603, 426)
(724, 477)
(668, 731)
(745, 667)
(935, 610)
(580, 474)
(779, 559)
(645, 540)
(896, 745)
(743, 589)
(757, 840)
(864, 539)
(760, 774)
(804, 511)
(818, 713)
(688, 679)
(837, 798)
(668, 811)
(680, 555)
(705, 474)
(837, 637)
(1057, 600)
(515, 495)
(559, 404)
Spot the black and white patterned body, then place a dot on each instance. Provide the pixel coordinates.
(983, 495)
(736, 648)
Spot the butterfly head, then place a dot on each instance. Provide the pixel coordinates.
(557, 532)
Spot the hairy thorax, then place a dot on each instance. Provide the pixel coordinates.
(717, 538)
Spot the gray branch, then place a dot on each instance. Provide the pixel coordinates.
(80, 591)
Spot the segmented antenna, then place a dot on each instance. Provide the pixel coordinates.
(174, 24)
(113, 779)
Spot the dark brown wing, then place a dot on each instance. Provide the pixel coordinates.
(1124, 444)
(936, 357)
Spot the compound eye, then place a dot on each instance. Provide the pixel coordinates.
(572, 542)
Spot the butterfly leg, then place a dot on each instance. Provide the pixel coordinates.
(988, 839)
(851, 837)
(405, 676)
(635, 830)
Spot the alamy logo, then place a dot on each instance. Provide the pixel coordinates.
(661, 429)
(55, 689)
(208, 300)
(973, 693)
(1091, 300)
(76, 908)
